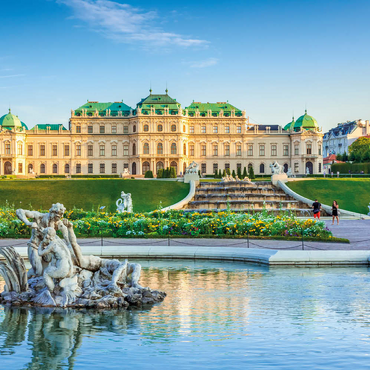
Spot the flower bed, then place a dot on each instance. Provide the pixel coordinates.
(176, 223)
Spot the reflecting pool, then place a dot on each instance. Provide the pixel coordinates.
(217, 315)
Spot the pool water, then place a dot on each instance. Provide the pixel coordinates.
(217, 315)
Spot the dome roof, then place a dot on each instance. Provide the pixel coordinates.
(290, 125)
(10, 121)
(305, 122)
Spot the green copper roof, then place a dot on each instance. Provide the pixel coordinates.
(306, 122)
(91, 107)
(158, 102)
(214, 107)
(10, 121)
(290, 125)
(53, 127)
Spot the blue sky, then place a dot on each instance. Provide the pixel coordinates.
(270, 58)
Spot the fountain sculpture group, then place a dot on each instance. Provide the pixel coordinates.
(61, 276)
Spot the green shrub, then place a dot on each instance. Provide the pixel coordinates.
(228, 171)
(239, 172)
(251, 173)
(173, 173)
(233, 174)
(149, 174)
(245, 173)
(160, 173)
(355, 168)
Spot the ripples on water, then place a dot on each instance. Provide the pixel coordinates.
(216, 315)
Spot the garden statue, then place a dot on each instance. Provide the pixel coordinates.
(124, 204)
(369, 209)
(61, 276)
(125, 173)
(289, 172)
(276, 168)
(307, 171)
(192, 169)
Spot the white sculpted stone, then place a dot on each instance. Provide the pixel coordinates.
(192, 172)
(124, 204)
(276, 168)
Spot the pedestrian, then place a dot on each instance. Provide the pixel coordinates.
(316, 206)
(335, 211)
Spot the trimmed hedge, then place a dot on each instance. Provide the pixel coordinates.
(353, 167)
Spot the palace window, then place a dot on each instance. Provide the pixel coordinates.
(227, 129)
(42, 150)
(146, 148)
(78, 129)
(55, 168)
(203, 130)
(55, 150)
(7, 148)
(215, 150)
(125, 165)
(78, 150)
(90, 150)
(238, 150)
(250, 150)
(173, 148)
(66, 150)
(20, 149)
(227, 167)
(125, 150)
(134, 149)
(215, 129)
(204, 150)
(215, 167)
(286, 150)
(296, 167)
(125, 129)
(90, 168)
(239, 129)
(114, 129)
(146, 167)
(102, 167)
(30, 150)
(102, 130)
(319, 167)
(173, 128)
(42, 168)
(20, 167)
(273, 150)
(191, 149)
(114, 167)
(262, 150)
(134, 128)
(160, 128)
(78, 168)
(160, 148)
(191, 129)
(309, 148)
(262, 168)
(239, 166)
(184, 128)
(90, 129)
(66, 168)
(296, 150)
(227, 150)
(114, 150)
(204, 168)
(184, 149)
(319, 151)
(102, 150)
(146, 128)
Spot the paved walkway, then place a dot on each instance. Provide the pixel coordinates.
(357, 231)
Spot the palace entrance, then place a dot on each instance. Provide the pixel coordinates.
(309, 165)
(7, 168)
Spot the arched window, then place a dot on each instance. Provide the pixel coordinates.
(159, 166)
(160, 128)
(174, 165)
(160, 148)
(146, 148)
(184, 128)
(66, 168)
(173, 128)
(146, 128)
(30, 168)
(184, 168)
(134, 148)
(184, 149)
(20, 149)
(262, 168)
(146, 167)
(134, 167)
(134, 128)
(173, 148)
(286, 167)
(42, 168)
(55, 168)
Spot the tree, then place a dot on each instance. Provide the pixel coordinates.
(339, 157)
(233, 174)
(173, 173)
(251, 173)
(345, 157)
(160, 173)
(245, 173)
(215, 175)
(149, 175)
(359, 149)
(219, 174)
(224, 173)
(239, 172)
(228, 171)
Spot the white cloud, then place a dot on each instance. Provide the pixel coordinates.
(204, 63)
(124, 23)
(9, 76)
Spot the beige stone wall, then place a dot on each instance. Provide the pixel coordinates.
(154, 141)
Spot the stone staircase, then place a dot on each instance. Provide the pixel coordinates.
(242, 196)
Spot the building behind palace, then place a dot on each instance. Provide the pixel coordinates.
(106, 138)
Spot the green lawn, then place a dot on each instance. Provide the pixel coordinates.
(90, 194)
(351, 194)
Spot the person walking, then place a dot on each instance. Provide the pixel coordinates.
(316, 206)
(335, 212)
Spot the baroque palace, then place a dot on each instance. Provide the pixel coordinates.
(106, 138)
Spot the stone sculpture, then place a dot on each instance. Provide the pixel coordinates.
(192, 169)
(61, 276)
(289, 172)
(276, 168)
(124, 204)
(307, 171)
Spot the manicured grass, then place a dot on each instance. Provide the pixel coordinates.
(90, 194)
(351, 194)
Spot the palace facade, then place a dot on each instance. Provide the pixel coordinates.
(106, 138)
